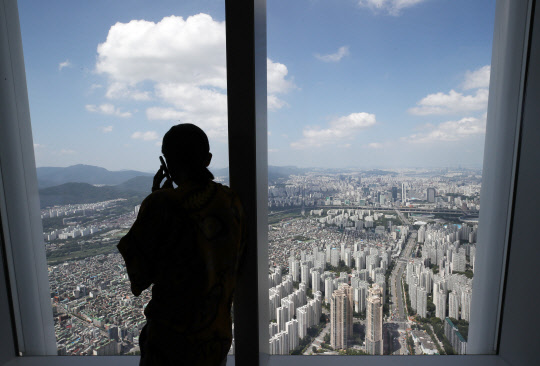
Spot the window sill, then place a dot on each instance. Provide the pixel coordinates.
(277, 360)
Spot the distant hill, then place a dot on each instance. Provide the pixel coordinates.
(138, 184)
(53, 176)
(76, 184)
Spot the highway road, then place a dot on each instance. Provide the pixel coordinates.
(398, 308)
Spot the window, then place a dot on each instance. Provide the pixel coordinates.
(380, 124)
(19, 186)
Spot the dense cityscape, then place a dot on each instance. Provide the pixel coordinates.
(360, 262)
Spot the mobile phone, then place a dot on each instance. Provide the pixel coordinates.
(164, 167)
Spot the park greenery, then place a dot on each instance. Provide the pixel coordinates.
(410, 344)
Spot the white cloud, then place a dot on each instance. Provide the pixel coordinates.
(392, 7)
(66, 63)
(455, 102)
(206, 108)
(451, 103)
(119, 90)
(274, 103)
(106, 129)
(276, 78)
(334, 57)
(375, 145)
(478, 78)
(451, 130)
(339, 130)
(175, 49)
(181, 63)
(145, 136)
(67, 152)
(38, 146)
(108, 109)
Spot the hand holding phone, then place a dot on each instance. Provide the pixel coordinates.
(163, 172)
(164, 167)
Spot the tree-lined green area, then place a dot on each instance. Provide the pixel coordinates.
(462, 326)
(57, 257)
(312, 333)
(353, 352)
(340, 268)
(468, 273)
(433, 339)
(90, 245)
(276, 217)
(410, 344)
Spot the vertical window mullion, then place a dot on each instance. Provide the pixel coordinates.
(248, 168)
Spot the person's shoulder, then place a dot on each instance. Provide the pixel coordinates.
(157, 199)
(225, 190)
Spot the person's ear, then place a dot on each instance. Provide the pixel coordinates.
(208, 160)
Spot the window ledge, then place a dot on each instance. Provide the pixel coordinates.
(276, 360)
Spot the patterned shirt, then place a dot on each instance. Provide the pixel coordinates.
(188, 242)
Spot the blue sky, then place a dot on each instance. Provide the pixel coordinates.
(367, 84)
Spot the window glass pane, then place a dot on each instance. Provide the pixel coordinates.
(377, 113)
(106, 80)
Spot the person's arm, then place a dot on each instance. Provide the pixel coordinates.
(136, 249)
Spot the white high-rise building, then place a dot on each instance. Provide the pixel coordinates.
(374, 313)
(305, 278)
(315, 281)
(292, 329)
(334, 257)
(421, 302)
(360, 294)
(302, 317)
(295, 270)
(412, 291)
(403, 193)
(466, 304)
(272, 329)
(282, 317)
(453, 305)
(440, 306)
(328, 289)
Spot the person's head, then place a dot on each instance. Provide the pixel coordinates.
(186, 149)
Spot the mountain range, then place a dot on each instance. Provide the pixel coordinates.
(86, 183)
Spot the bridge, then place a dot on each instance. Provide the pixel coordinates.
(444, 211)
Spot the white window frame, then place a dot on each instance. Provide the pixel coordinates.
(25, 254)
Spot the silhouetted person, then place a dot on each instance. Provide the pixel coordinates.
(187, 242)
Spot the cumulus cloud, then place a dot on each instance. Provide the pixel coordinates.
(106, 129)
(277, 83)
(119, 90)
(181, 63)
(478, 78)
(451, 130)
(145, 136)
(108, 109)
(66, 63)
(455, 102)
(392, 7)
(339, 130)
(375, 145)
(451, 103)
(334, 57)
